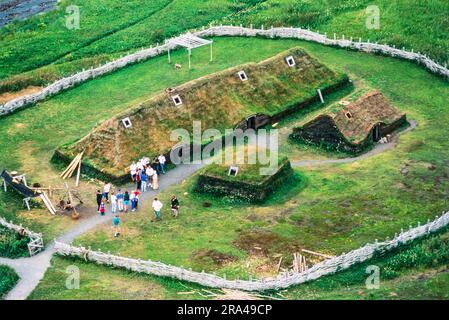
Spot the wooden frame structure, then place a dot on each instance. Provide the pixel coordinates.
(190, 41)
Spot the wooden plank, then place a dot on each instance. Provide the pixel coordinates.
(79, 172)
(72, 166)
(49, 202)
(72, 169)
(44, 199)
(69, 166)
(279, 265)
(318, 254)
(304, 263)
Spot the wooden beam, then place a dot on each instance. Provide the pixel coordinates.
(279, 265)
(69, 166)
(318, 254)
(79, 172)
(45, 200)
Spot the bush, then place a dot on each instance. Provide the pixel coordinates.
(12, 244)
(8, 279)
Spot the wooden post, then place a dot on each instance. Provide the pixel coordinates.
(279, 265)
(211, 52)
(27, 203)
(320, 95)
(78, 174)
(190, 62)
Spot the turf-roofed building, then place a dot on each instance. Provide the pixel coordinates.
(246, 96)
(352, 127)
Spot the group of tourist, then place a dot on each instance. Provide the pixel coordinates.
(145, 174)
(145, 177)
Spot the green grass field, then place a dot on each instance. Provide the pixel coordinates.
(346, 206)
(109, 29)
(333, 210)
(338, 209)
(416, 271)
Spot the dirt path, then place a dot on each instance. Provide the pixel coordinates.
(32, 270)
(379, 148)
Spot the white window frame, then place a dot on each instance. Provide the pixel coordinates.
(233, 168)
(242, 75)
(177, 97)
(289, 60)
(127, 123)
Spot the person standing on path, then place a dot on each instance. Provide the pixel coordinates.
(99, 199)
(144, 178)
(106, 190)
(150, 173)
(102, 208)
(155, 181)
(116, 225)
(139, 179)
(157, 207)
(113, 203)
(162, 162)
(126, 201)
(120, 200)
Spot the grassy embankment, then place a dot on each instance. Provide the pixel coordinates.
(110, 28)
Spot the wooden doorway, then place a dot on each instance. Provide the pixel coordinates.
(376, 133)
(251, 122)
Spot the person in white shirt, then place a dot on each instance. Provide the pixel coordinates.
(106, 190)
(157, 207)
(150, 173)
(133, 171)
(162, 162)
(113, 203)
(140, 165)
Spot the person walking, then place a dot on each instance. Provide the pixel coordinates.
(116, 225)
(99, 200)
(133, 170)
(102, 208)
(126, 201)
(162, 162)
(139, 179)
(133, 201)
(174, 206)
(120, 200)
(113, 203)
(157, 207)
(155, 181)
(144, 183)
(136, 194)
(149, 173)
(106, 190)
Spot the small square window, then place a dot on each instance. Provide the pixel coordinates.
(290, 61)
(242, 76)
(233, 171)
(127, 123)
(177, 100)
(349, 115)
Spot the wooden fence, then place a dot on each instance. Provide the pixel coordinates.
(293, 33)
(282, 281)
(36, 243)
